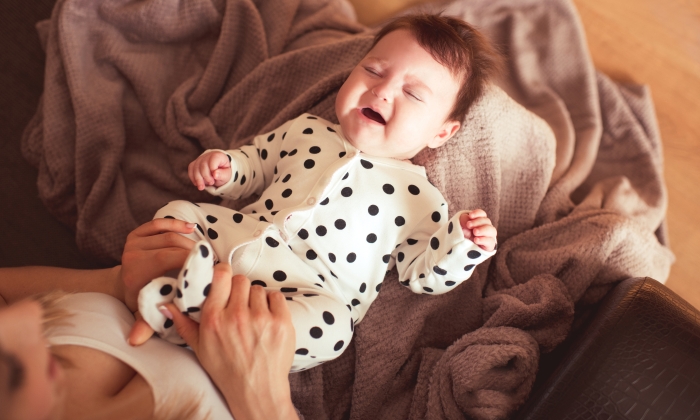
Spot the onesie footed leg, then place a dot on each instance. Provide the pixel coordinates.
(187, 292)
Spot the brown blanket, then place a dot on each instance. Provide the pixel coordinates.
(136, 89)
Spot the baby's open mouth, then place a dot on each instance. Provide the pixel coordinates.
(372, 115)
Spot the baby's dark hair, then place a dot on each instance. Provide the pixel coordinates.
(460, 47)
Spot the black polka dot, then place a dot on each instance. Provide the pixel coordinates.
(211, 219)
(274, 212)
(271, 137)
(316, 332)
(321, 277)
(309, 163)
(283, 153)
(286, 178)
(346, 176)
(363, 287)
(328, 318)
(246, 154)
(315, 150)
(411, 241)
(439, 270)
(262, 219)
(204, 250)
(371, 238)
(450, 283)
(179, 293)
(449, 228)
(212, 233)
(340, 224)
(339, 345)
(473, 254)
(386, 258)
(400, 256)
(235, 176)
(293, 152)
(279, 275)
(321, 230)
(373, 210)
(311, 254)
(421, 276)
(238, 217)
(352, 325)
(286, 193)
(288, 289)
(272, 242)
(288, 298)
(468, 267)
(333, 274)
(168, 217)
(331, 256)
(259, 283)
(413, 190)
(166, 290)
(302, 352)
(427, 289)
(310, 294)
(366, 164)
(355, 302)
(308, 131)
(193, 309)
(346, 192)
(269, 204)
(341, 154)
(263, 154)
(310, 117)
(449, 252)
(435, 216)
(400, 221)
(185, 273)
(168, 323)
(388, 188)
(324, 202)
(303, 234)
(351, 257)
(276, 171)
(435, 243)
(243, 180)
(405, 282)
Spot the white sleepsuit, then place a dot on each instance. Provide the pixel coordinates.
(329, 223)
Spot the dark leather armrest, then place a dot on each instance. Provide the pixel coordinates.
(638, 359)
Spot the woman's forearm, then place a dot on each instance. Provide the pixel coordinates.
(17, 283)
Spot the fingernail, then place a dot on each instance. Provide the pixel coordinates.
(166, 313)
(190, 225)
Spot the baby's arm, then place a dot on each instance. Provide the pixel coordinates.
(241, 172)
(435, 261)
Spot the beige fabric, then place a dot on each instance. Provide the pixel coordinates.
(136, 89)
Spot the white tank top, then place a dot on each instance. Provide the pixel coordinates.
(102, 322)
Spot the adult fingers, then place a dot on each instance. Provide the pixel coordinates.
(188, 329)
(162, 241)
(258, 300)
(278, 305)
(157, 226)
(240, 292)
(140, 331)
(220, 290)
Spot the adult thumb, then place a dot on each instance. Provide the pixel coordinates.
(188, 329)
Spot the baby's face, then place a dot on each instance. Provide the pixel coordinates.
(397, 99)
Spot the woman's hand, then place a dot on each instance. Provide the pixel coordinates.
(151, 250)
(246, 343)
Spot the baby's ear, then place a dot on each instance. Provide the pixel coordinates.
(448, 129)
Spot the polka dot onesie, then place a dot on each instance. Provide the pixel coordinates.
(329, 223)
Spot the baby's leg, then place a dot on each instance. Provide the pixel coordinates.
(322, 320)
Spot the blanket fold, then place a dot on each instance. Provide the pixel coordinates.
(566, 163)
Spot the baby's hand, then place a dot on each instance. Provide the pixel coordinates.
(210, 169)
(478, 228)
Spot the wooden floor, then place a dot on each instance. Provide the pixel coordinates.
(656, 43)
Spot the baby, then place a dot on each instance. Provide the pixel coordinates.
(340, 204)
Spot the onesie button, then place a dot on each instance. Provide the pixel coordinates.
(311, 201)
(257, 233)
